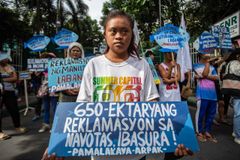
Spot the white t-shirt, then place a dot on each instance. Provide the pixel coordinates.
(130, 80)
(104, 80)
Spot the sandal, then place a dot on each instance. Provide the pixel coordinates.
(4, 136)
(226, 122)
(216, 122)
(211, 138)
(201, 137)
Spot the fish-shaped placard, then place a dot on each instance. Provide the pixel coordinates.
(37, 43)
(205, 43)
(222, 36)
(170, 38)
(65, 37)
(5, 55)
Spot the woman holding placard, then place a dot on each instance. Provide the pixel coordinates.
(48, 98)
(170, 76)
(75, 50)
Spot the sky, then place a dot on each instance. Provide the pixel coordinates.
(95, 8)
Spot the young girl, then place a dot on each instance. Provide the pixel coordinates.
(119, 75)
(170, 76)
(120, 68)
(205, 75)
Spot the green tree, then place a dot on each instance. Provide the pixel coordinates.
(89, 34)
(146, 13)
(43, 15)
(11, 27)
(71, 10)
(202, 14)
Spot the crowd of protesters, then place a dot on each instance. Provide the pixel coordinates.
(206, 80)
(206, 77)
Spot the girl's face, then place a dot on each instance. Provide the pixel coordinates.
(75, 52)
(205, 58)
(168, 56)
(118, 35)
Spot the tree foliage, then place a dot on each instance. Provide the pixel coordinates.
(202, 14)
(146, 13)
(22, 18)
(12, 28)
(199, 14)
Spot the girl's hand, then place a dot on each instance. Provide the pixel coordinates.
(50, 157)
(173, 64)
(197, 77)
(72, 92)
(181, 150)
(188, 85)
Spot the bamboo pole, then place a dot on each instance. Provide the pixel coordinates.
(175, 68)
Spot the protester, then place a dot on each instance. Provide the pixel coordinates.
(75, 50)
(216, 62)
(205, 75)
(36, 82)
(169, 76)
(9, 98)
(169, 86)
(49, 100)
(150, 54)
(185, 86)
(121, 59)
(226, 98)
(233, 67)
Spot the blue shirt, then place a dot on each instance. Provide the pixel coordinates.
(205, 87)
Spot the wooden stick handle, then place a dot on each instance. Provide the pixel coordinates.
(175, 68)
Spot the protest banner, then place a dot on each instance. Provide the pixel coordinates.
(205, 43)
(232, 22)
(65, 37)
(124, 128)
(24, 75)
(222, 36)
(37, 43)
(153, 69)
(37, 65)
(5, 55)
(170, 38)
(65, 73)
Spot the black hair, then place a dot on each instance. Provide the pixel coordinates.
(132, 49)
(233, 55)
(149, 53)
